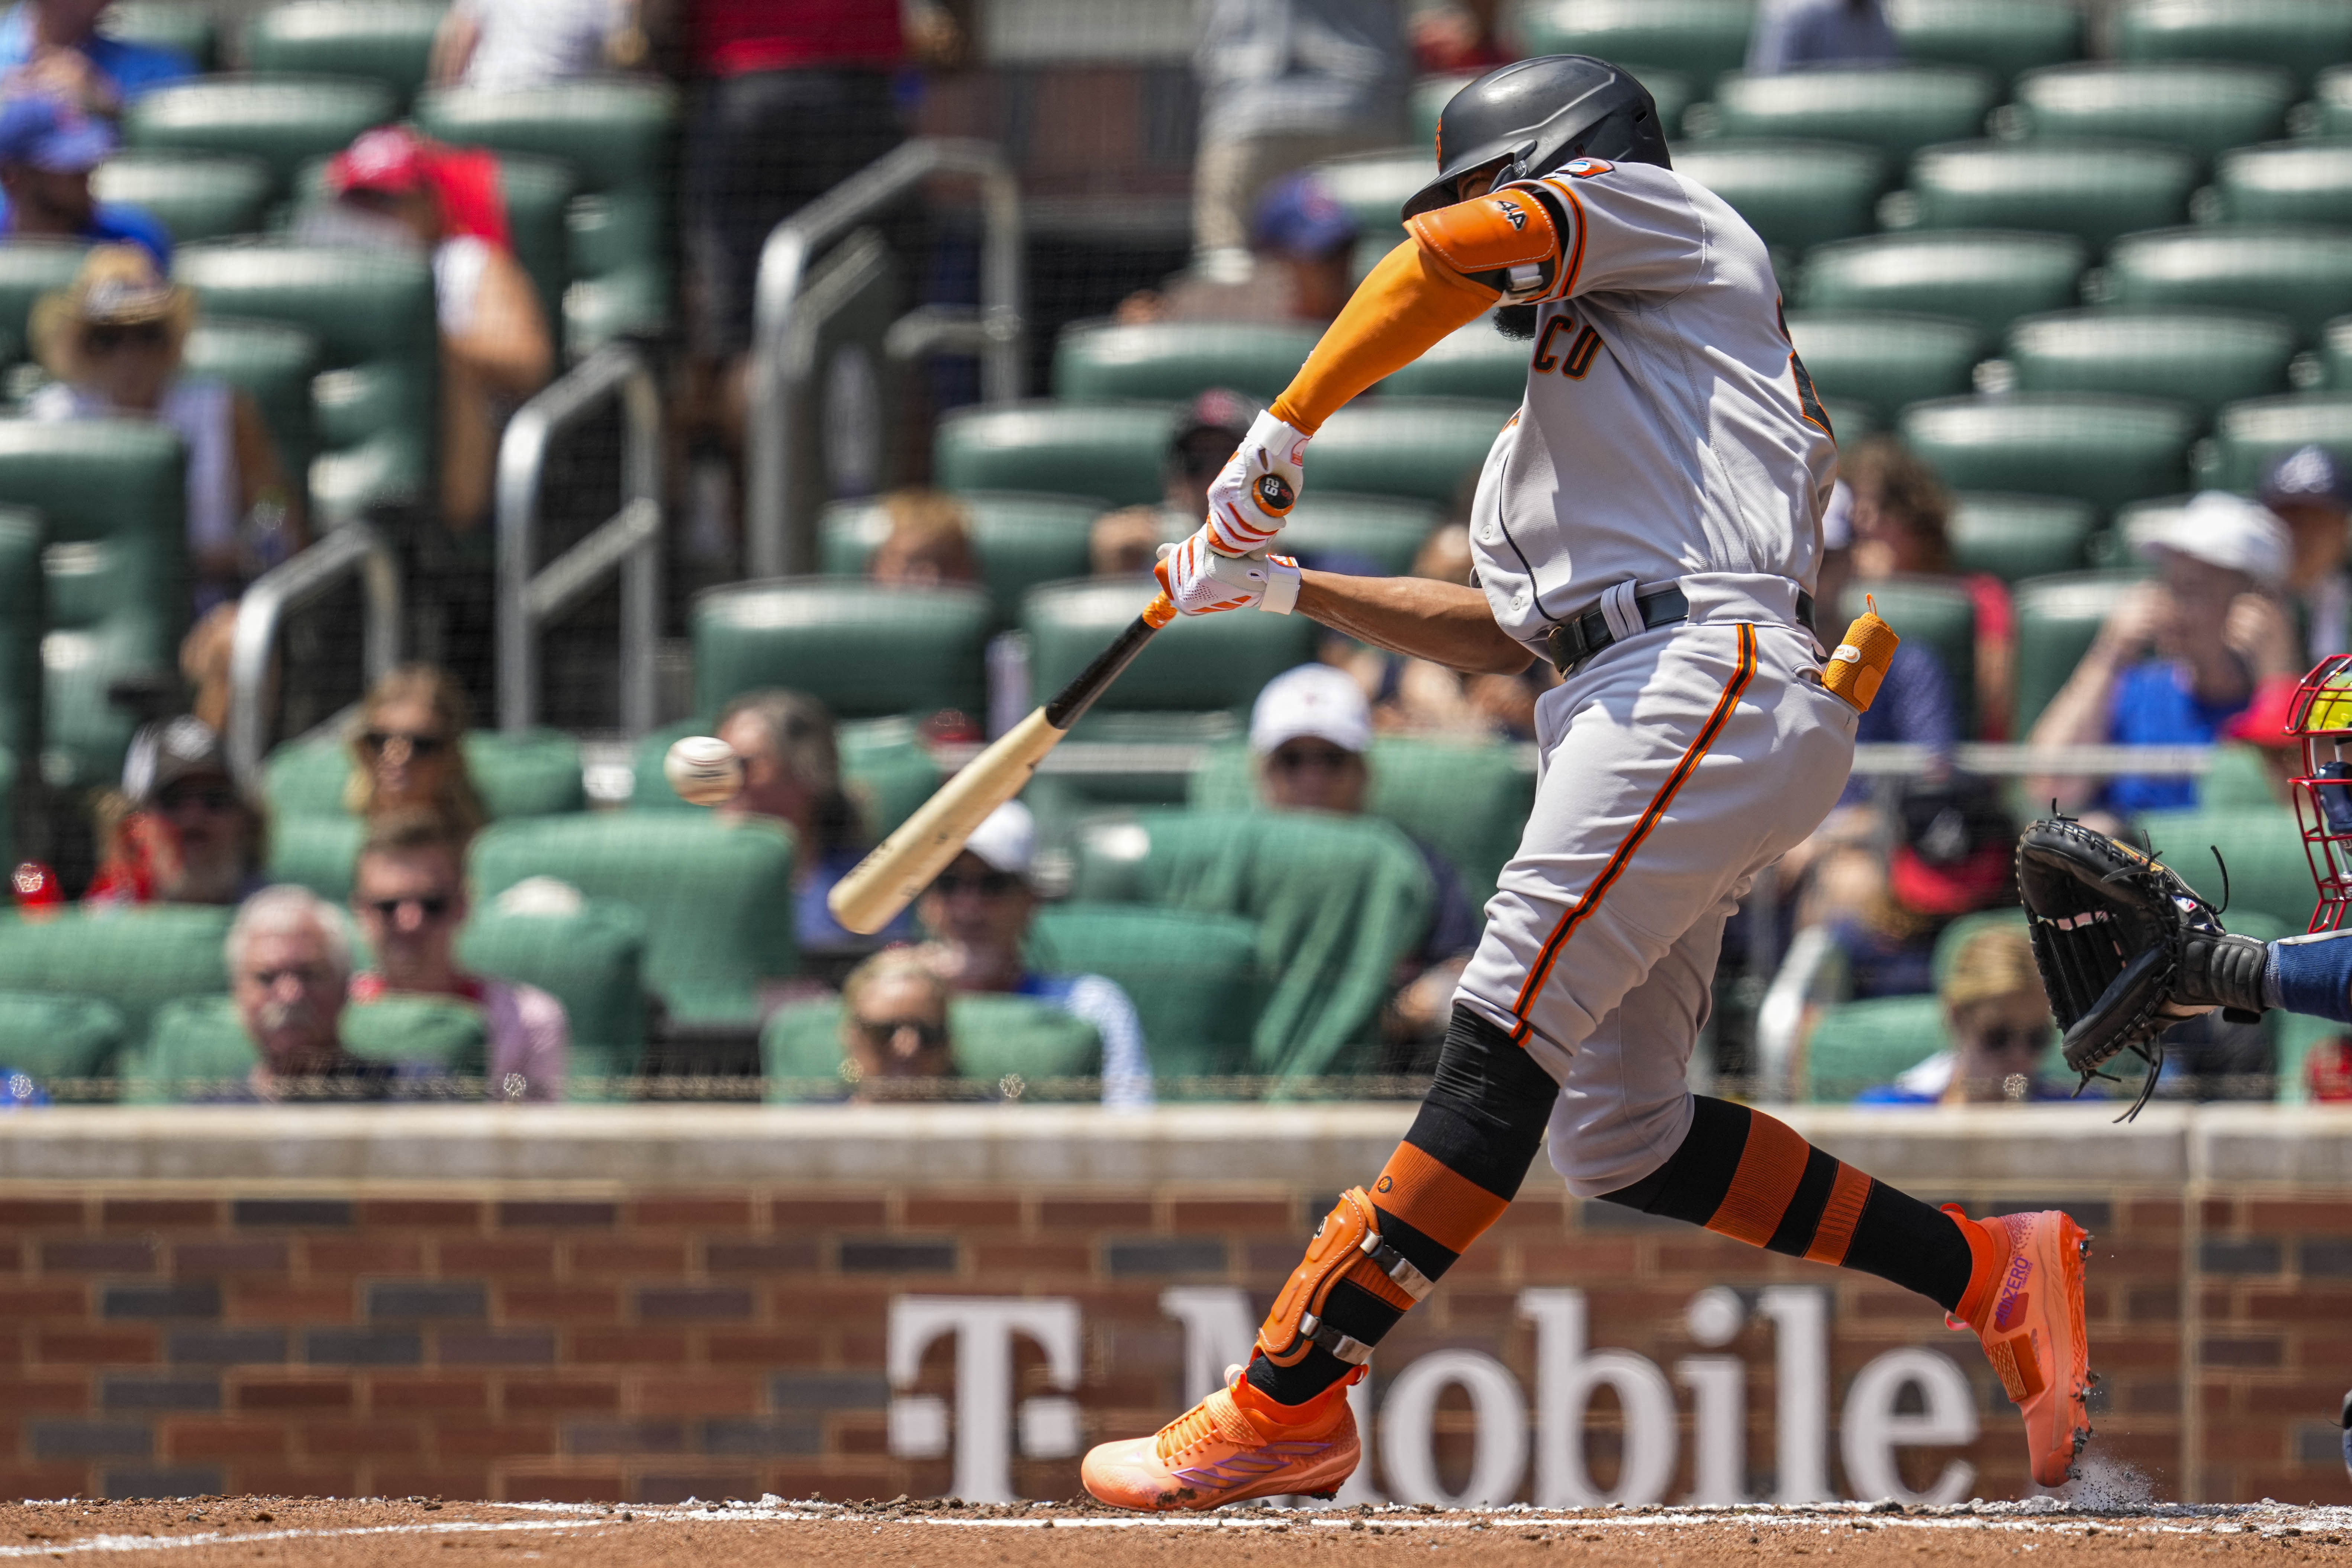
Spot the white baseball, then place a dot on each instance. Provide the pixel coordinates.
(704, 770)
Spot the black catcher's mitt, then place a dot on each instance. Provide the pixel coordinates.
(2125, 948)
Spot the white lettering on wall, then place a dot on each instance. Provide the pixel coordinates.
(1719, 1385)
(1800, 1379)
(1870, 1428)
(1566, 1378)
(983, 1327)
(1498, 1453)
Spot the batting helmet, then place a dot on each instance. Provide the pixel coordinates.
(1530, 117)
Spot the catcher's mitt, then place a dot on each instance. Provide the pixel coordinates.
(2125, 948)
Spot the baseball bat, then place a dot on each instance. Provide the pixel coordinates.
(902, 866)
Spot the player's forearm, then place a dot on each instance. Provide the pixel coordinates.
(1408, 303)
(1445, 623)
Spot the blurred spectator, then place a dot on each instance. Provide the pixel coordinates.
(1284, 84)
(2307, 490)
(48, 149)
(1956, 856)
(1914, 706)
(1803, 34)
(408, 751)
(978, 912)
(1124, 542)
(114, 342)
(2180, 655)
(54, 47)
(180, 832)
(408, 889)
(1419, 697)
(930, 542)
(1297, 272)
(1462, 35)
(1996, 1020)
(2263, 727)
(289, 970)
(396, 189)
(502, 46)
(894, 1026)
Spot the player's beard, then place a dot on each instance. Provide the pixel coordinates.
(1517, 321)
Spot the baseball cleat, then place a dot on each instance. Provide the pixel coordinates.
(1233, 1445)
(2028, 1312)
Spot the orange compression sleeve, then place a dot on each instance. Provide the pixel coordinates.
(1408, 303)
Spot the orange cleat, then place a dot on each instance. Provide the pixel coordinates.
(1234, 1445)
(2026, 1302)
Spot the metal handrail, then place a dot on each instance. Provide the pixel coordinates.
(628, 542)
(352, 549)
(783, 351)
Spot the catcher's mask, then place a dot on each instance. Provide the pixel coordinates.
(2321, 717)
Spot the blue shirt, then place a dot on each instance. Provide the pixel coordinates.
(112, 223)
(1809, 33)
(813, 927)
(2154, 706)
(135, 69)
(1104, 1003)
(1913, 708)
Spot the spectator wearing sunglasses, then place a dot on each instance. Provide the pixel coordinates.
(1996, 1020)
(408, 751)
(48, 149)
(1124, 543)
(978, 913)
(894, 1027)
(408, 889)
(180, 832)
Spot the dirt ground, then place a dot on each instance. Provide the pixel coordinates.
(369, 1533)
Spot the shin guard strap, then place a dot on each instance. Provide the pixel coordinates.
(1347, 1245)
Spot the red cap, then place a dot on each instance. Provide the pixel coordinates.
(391, 158)
(2263, 723)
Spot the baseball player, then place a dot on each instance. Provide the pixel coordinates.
(1649, 521)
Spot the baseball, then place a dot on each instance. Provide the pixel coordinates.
(704, 770)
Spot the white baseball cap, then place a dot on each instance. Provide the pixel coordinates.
(1315, 699)
(2220, 529)
(1006, 838)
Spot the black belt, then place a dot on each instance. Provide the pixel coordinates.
(1580, 637)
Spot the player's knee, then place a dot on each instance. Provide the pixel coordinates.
(1600, 1151)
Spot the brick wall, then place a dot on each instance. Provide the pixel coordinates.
(570, 1309)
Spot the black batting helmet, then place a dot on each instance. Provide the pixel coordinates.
(1530, 117)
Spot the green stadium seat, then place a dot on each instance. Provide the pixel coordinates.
(2240, 777)
(1861, 1045)
(443, 1032)
(1475, 361)
(592, 961)
(1334, 530)
(135, 960)
(1937, 613)
(2203, 358)
(2103, 450)
(372, 313)
(2262, 848)
(992, 1037)
(1021, 541)
(198, 1049)
(2331, 102)
(2001, 38)
(2093, 191)
(2019, 536)
(1882, 361)
(50, 1038)
(1194, 978)
(315, 852)
(1896, 110)
(1428, 448)
(1100, 362)
(386, 41)
(884, 768)
(1985, 278)
(2057, 618)
(862, 649)
(1373, 187)
(280, 122)
(28, 269)
(1338, 902)
(2248, 435)
(2298, 35)
(1702, 37)
(2199, 109)
(2336, 354)
(1111, 452)
(2285, 182)
(1197, 663)
(22, 618)
(1795, 195)
(193, 197)
(271, 363)
(2302, 274)
(1851, 421)
(172, 25)
(715, 894)
(535, 773)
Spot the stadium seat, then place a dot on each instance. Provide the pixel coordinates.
(1100, 362)
(2240, 776)
(173, 24)
(535, 773)
(862, 649)
(592, 961)
(2336, 354)
(715, 893)
(135, 960)
(1882, 361)
(386, 41)
(2093, 191)
(2057, 618)
(111, 494)
(1426, 449)
(2103, 450)
(2203, 358)
(197, 1048)
(1861, 1045)
(315, 852)
(1475, 361)
(1795, 195)
(1985, 278)
(1332, 531)
(2199, 109)
(1373, 187)
(1109, 452)
(444, 1032)
(28, 269)
(2019, 536)
(1701, 38)
(372, 315)
(1897, 111)
(992, 1037)
(2285, 182)
(2297, 35)
(193, 196)
(1021, 541)
(2261, 847)
(280, 122)
(271, 361)
(2001, 38)
(1338, 902)
(22, 618)
(2331, 102)
(2302, 274)
(1936, 612)
(2248, 435)
(51, 1037)
(1197, 663)
(1194, 978)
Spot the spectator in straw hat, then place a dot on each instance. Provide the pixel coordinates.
(1997, 1023)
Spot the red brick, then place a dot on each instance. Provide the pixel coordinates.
(12, 1258)
(650, 1347)
(534, 1213)
(223, 1440)
(2327, 1218)
(46, 1214)
(24, 1302)
(755, 1347)
(2217, 1214)
(2152, 1215)
(265, 1477)
(963, 1213)
(1034, 1256)
(45, 1395)
(611, 1488)
(520, 1304)
(532, 1396)
(96, 1347)
(672, 1396)
(283, 1302)
(1577, 1258)
(438, 1481)
(307, 1394)
(95, 1254)
(420, 1214)
(828, 1213)
(360, 1439)
(711, 1212)
(628, 1256)
(253, 1254)
(794, 1255)
(333, 1255)
(519, 1258)
(1093, 1214)
(1262, 1215)
(474, 1440)
(44, 1481)
(2311, 1304)
(429, 1393)
(150, 1213)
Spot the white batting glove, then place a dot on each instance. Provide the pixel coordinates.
(1202, 580)
(1252, 496)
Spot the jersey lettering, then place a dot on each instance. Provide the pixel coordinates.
(1809, 401)
(1580, 350)
(1545, 359)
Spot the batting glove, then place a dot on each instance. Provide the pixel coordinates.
(1252, 496)
(1203, 580)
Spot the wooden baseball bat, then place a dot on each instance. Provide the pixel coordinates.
(903, 864)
